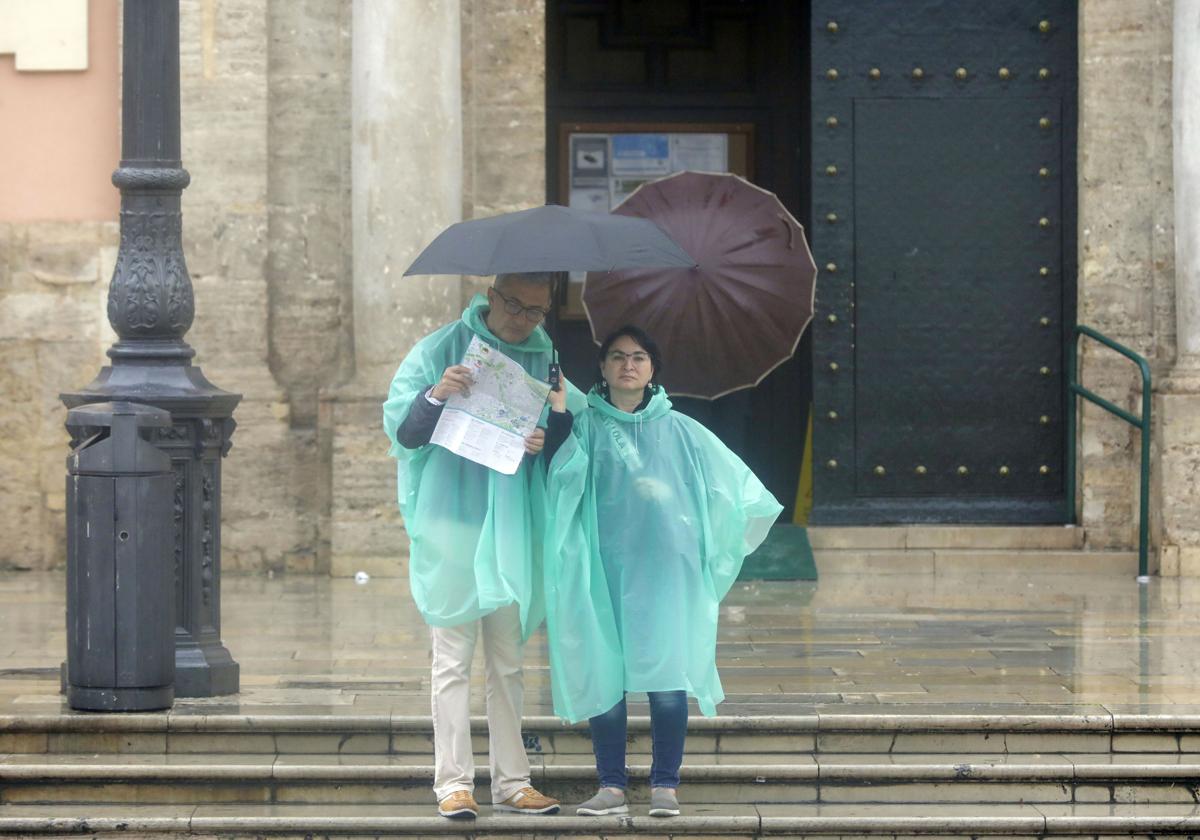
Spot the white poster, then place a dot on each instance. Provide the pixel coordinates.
(700, 152)
(590, 198)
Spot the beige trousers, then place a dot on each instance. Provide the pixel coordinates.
(453, 649)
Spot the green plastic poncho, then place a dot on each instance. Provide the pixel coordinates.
(650, 519)
(475, 533)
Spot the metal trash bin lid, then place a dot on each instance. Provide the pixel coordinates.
(99, 415)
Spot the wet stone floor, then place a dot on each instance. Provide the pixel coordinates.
(951, 643)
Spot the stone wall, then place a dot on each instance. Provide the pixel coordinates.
(53, 331)
(265, 104)
(504, 109)
(268, 138)
(1126, 241)
(261, 259)
(309, 264)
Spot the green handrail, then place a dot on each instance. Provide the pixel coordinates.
(1075, 389)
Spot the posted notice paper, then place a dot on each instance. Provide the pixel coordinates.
(489, 425)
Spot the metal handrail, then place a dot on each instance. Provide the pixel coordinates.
(1075, 389)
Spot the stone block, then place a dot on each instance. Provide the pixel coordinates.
(1093, 793)
(310, 158)
(1141, 742)
(381, 566)
(858, 538)
(24, 743)
(107, 742)
(1118, 87)
(508, 53)
(1189, 560)
(332, 744)
(854, 742)
(1116, 29)
(887, 562)
(309, 37)
(59, 254)
(8, 255)
(208, 742)
(21, 513)
(513, 173)
(366, 522)
(1057, 742)
(309, 243)
(1179, 465)
(1168, 561)
(269, 480)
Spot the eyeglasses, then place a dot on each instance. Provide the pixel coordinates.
(618, 358)
(533, 314)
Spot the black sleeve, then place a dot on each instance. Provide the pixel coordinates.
(556, 432)
(417, 428)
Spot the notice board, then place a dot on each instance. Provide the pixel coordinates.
(601, 164)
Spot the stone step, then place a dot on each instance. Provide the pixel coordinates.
(847, 779)
(951, 734)
(969, 537)
(740, 821)
(935, 561)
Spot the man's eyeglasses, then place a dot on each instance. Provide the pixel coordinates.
(533, 314)
(618, 358)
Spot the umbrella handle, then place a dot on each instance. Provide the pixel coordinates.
(791, 233)
(555, 376)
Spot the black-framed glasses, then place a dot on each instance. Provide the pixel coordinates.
(533, 314)
(618, 358)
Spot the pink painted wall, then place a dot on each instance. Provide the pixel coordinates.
(60, 133)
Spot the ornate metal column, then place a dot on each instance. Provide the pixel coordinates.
(150, 306)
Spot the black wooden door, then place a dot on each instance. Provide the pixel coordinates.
(943, 145)
(709, 62)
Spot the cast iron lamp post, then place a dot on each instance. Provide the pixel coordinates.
(150, 306)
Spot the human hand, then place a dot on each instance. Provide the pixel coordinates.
(536, 441)
(456, 379)
(558, 399)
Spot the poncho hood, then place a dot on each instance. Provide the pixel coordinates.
(658, 406)
(475, 317)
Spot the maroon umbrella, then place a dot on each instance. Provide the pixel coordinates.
(726, 323)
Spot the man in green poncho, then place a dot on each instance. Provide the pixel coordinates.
(475, 555)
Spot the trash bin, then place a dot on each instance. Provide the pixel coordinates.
(120, 564)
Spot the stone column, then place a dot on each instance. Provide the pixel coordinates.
(1178, 401)
(1186, 129)
(407, 186)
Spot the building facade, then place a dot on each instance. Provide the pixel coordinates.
(329, 140)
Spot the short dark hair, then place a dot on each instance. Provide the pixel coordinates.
(644, 341)
(532, 278)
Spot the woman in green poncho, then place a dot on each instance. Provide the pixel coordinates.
(650, 519)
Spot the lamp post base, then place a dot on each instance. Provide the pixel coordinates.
(204, 670)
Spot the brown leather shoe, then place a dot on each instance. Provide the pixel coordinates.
(528, 801)
(459, 805)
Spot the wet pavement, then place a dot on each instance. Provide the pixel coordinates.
(949, 642)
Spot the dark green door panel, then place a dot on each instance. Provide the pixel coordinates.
(943, 207)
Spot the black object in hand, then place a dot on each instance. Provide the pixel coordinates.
(555, 376)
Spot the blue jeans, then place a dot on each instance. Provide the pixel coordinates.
(668, 728)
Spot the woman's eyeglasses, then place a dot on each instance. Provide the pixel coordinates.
(618, 358)
(533, 314)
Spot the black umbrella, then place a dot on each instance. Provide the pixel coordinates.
(549, 238)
